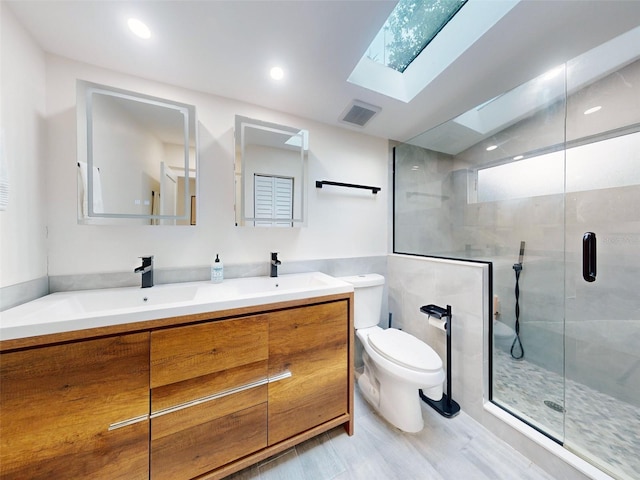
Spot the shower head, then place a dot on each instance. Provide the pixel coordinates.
(518, 266)
(521, 252)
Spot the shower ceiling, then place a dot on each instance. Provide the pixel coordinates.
(509, 108)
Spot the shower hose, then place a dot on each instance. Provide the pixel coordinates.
(517, 344)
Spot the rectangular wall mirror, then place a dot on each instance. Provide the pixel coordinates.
(137, 158)
(270, 174)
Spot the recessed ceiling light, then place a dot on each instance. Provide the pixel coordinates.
(492, 147)
(277, 73)
(139, 28)
(518, 157)
(591, 110)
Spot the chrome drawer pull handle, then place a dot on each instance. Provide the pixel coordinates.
(224, 393)
(280, 376)
(209, 398)
(126, 423)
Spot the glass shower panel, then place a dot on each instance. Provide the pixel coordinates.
(480, 187)
(602, 332)
(423, 201)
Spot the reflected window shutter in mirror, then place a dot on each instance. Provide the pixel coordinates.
(273, 200)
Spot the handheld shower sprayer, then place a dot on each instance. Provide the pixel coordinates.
(517, 344)
(521, 253)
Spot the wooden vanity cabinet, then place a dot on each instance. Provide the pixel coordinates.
(209, 395)
(199, 396)
(65, 410)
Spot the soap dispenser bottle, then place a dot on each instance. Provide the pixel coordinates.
(217, 270)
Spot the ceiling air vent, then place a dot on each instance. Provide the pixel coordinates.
(359, 113)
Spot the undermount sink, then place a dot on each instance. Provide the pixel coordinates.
(116, 299)
(77, 310)
(268, 285)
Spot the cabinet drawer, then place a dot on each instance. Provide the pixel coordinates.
(172, 421)
(182, 353)
(206, 445)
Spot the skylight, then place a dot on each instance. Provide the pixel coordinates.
(409, 29)
(421, 56)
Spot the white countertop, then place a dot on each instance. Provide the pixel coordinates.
(79, 310)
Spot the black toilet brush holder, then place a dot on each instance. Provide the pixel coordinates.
(446, 406)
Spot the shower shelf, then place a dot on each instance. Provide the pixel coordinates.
(320, 183)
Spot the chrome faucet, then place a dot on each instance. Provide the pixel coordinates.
(147, 271)
(274, 264)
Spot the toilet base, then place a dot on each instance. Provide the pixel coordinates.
(445, 406)
(395, 401)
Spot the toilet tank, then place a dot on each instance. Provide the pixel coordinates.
(367, 295)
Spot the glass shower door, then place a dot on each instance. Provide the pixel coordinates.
(602, 273)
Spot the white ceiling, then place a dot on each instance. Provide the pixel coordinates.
(227, 48)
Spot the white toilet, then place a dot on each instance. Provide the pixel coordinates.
(396, 364)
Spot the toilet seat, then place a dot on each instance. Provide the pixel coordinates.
(404, 349)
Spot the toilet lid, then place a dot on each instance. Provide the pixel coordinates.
(404, 349)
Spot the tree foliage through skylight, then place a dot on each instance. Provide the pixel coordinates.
(409, 29)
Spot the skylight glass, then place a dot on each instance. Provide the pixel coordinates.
(464, 27)
(409, 29)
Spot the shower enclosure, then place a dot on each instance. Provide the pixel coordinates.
(543, 182)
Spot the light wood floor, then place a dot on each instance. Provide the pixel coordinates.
(447, 449)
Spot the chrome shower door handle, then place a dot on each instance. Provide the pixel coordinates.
(589, 257)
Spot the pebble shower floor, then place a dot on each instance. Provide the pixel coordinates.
(611, 441)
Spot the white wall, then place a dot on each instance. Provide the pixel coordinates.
(341, 223)
(23, 253)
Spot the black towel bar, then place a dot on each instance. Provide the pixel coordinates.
(320, 183)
